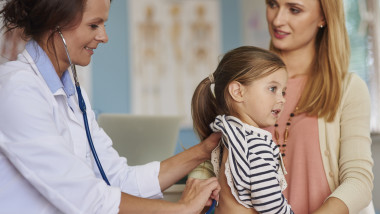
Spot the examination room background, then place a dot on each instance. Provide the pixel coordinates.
(112, 89)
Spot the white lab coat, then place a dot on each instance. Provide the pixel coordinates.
(46, 165)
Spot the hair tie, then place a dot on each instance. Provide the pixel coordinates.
(212, 85)
(211, 78)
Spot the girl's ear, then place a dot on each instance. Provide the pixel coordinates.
(236, 91)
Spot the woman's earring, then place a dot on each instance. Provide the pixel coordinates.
(321, 26)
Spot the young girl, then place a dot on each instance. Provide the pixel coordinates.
(244, 94)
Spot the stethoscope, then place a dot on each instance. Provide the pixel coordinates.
(82, 106)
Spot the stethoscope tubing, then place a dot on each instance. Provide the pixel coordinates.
(212, 207)
(82, 106)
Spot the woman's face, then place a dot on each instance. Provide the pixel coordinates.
(293, 24)
(83, 39)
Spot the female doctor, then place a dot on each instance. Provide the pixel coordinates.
(46, 161)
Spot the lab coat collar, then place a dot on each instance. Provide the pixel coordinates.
(32, 57)
(47, 71)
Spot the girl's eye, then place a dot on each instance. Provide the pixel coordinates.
(271, 3)
(295, 10)
(283, 93)
(273, 89)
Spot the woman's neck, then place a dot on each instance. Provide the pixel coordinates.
(298, 62)
(54, 56)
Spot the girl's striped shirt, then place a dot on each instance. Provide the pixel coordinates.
(254, 168)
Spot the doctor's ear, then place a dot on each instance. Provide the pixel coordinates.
(236, 89)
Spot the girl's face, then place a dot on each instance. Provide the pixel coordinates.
(83, 39)
(293, 24)
(263, 100)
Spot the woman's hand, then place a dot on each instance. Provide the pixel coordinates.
(199, 193)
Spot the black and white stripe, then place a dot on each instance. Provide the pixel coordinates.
(253, 161)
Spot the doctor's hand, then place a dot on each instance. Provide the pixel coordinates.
(209, 144)
(199, 193)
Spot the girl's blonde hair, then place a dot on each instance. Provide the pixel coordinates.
(323, 91)
(244, 65)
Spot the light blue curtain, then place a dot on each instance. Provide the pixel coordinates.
(363, 49)
(358, 41)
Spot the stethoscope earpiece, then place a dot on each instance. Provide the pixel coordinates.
(73, 69)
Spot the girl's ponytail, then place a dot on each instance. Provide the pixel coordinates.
(203, 107)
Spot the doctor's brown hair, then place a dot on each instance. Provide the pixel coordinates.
(38, 17)
(244, 65)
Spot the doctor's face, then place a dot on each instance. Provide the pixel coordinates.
(84, 38)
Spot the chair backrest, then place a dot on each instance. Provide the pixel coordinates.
(142, 138)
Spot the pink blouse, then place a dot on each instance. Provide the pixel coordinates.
(306, 178)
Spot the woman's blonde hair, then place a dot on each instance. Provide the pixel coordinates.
(244, 65)
(322, 93)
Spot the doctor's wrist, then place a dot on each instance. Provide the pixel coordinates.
(208, 145)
